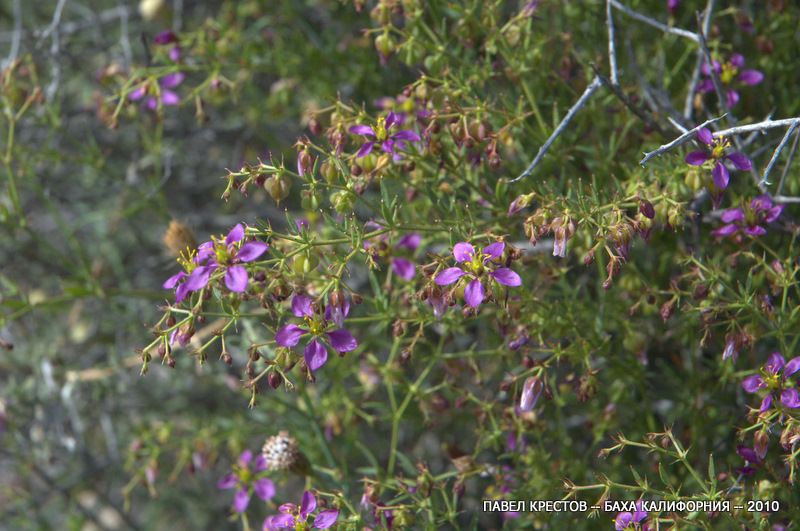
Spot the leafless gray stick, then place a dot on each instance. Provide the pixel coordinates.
(16, 35)
(685, 137)
(777, 153)
(788, 162)
(612, 50)
(591, 89)
(653, 22)
(688, 105)
(759, 126)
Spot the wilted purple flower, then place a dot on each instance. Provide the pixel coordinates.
(164, 95)
(382, 133)
(321, 326)
(294, 517)
(247, 480)
(627, 520)
(531, 390)
(519, 203)
(749, 218)
(529, 9)
(218, 253)
(716, 152)
(730, 74)
(477, 265)
(774, 376)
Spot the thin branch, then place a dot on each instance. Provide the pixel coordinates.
(656, 24)
(685, 137)
(777, 153)
(688, 105)
(788, 162)
(759, 126)
(591, 89)
(16, 36)
(612, 50)
(718, 88)
(635, 109)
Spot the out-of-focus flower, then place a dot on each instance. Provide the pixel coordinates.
(630, 521)
(294, 517)
(531, 390)
(401, 266)
(162, 95)
(749, 219)
(731, 74)
(247, 480)
(383, 133)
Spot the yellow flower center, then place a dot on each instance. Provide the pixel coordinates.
(186, 259)
(315, 326)
(380, 130)
(720, 145)
(728, 73)
(476, 264)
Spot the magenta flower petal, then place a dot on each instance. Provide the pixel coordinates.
(733, 97)
(740, 161)
(315, 355)
(623, 521)
(280, 521)
(697, 158)
(169, 98)
(773, 213)
(308, 504)
(473, 294)
(639, 514)
(750, 77)
(365, 150)
(241, 500)
(403, 268)
(720, 175)
(236, 279)
(172, 281)
(495, 250)
(765, 404)
(151, 103)
(251, 250)
(790, 398)
(410, 241)
(342, 340)
(737, 60)
(448, 276)
(325, 519)
(236, 234)
(137, 93)
(245, 458)
(791, 367)
(755, 230)
(228, 481)
(463, 252)
(264, 488)
(407, 134)
(199, 277)
(165, 37)
(172, 80)
(301, 306)
(261, 463)
(181, 293)
(705, 136)
(705, 86)
(725, 230)
(753, 383)
(506, 277)
(362, 130)
(775, 363)
(732, 214)
(204, 251)
(289, 335)
(392, 119)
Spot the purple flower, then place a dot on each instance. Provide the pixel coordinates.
(716, 153)
(321, 326)
(730, 74)
(749, 218)
(519, 203)
(477, 265)
(164, 96)
(774, 376)
(219, 253)
(293, 517)
(402, 267)
(752, 460)
(632, 520)
(673, 5)
(246, 481)
(382, 134)
(168, 37)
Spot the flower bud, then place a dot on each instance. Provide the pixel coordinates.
(278, 186)
(531, 390)
(274, 379)
(329, 171)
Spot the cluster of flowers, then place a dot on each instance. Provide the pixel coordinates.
(163, 94)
